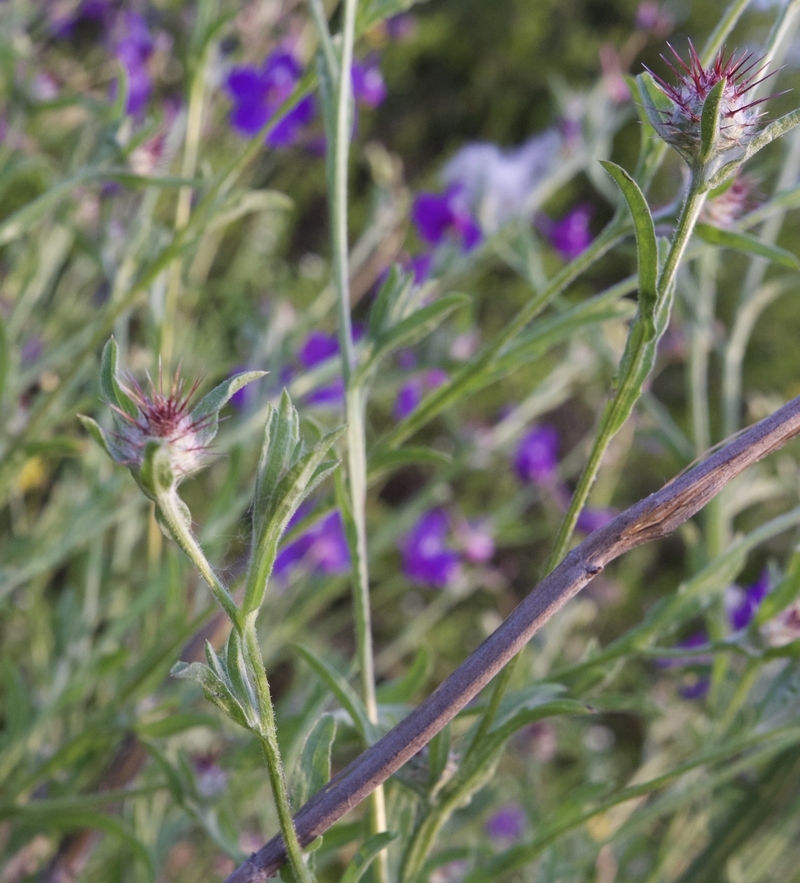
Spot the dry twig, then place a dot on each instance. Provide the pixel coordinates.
(652, 518)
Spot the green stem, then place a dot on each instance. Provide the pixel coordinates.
(354, 403)
(700, 347)
(626, 393)
(269, 745)
(168, 504)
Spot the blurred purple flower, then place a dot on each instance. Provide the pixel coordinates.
(400, 26)
(497, 183)
(258, 93)
(332, 394)
(476, 541)
(421, 267)
(411, 392)
(591, 520)
(439, 215)
(132, 51)
(368, 84)
(695, 688)
(317, 348)
(507, 823)
(536, 458)
(742, 604)
(426, 557)
(571, 235)
(31, 350)
(323, 548)
(698, 639)
(408, 397)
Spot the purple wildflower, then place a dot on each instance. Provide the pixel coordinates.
(421, 267)
(536, 459)
(695, 687)
(426, 557)
(497, 184)
(507, 823)
(368, 84)
(698, 639)
(411, 392)
(742, 604)
(408, 397)
(323, 548)
(317, 348)
(132, 52)
(258, 93)
(571, 235)
(441, 215)
(332, 394)
(476, 541)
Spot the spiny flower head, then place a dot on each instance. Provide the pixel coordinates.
(679, 120)
(160, 436)
(735, 198)
(163, 418)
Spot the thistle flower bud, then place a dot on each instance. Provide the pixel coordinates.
(159, 436)
(707, 115)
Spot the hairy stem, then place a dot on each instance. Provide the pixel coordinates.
(269, 745)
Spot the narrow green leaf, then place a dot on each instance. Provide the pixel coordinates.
(313, 768)
(654, 102)
(747, 244)
(404, 689)
(246, 202)
(237, 672)
(360, 862)
(96, 432)
(214, 689)
(709, 122)
(412, 329)
(386, 461)
(438, 755)
(395, 282)
(207, 411)
(109, 385)
(4, 358)
(646, 245)
(347, 696)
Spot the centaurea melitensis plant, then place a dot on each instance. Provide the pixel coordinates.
(360, 625)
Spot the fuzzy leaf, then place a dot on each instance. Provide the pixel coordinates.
(210, 405)
(237, 672)
(275, 508)
(347, 696)
(93, 428)
(360, 862)
(109, 385)
(411, 330)
(214, 689)
(393, 287)
(748, 244)
(646, 245)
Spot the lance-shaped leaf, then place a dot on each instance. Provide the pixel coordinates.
(360, 862)
(285, 477)
(109, 385)
(216, 690)
(646, 245)
(748, 244)
(206, 414)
